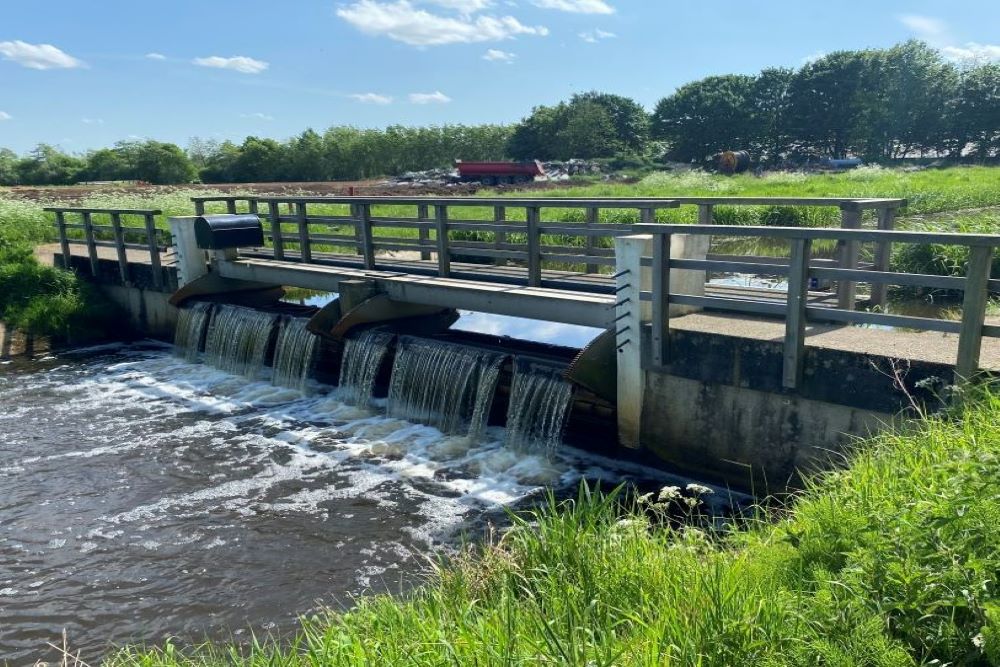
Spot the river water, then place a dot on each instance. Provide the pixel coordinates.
(144, 496)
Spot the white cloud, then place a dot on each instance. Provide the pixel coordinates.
(594, 36)
(496, 55)
(38, 56)
(92, 121)
(437, 97)
(241, 64)
(371, 98)
(576, 6)
(464, 7)
(155, 56)
(405, 23)
(5, 116)
(257, 115)
(935, 32)
(973, 51)
(925, 27)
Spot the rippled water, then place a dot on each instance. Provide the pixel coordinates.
(144, 496)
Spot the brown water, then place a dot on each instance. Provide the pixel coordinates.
(146, 497)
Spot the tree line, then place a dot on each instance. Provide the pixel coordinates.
(877, 104)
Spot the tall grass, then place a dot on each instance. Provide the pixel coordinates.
(891, 561)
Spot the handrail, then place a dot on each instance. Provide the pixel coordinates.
(148, 233)
(975, 285)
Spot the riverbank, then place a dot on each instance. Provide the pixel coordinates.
(890, 561)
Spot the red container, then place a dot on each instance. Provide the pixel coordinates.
(493, 173)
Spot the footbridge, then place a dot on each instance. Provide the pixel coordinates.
(735, 350)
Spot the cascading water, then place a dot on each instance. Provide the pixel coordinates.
(445, 385)
(363, 356)
(238, 339)
(190, 331)
(294, 354)
(539, 403)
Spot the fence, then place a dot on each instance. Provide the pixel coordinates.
(117, 233)
(298, 232)
(799, 271)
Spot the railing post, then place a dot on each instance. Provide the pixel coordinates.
(154, 250)
(116, 227)
(590, 243)
(850, 216)
(661, 300)
(231, 205)
(252, 205)
(970, 338)
(883, 255)
(422, 234)
(88, 232)
(279, 243)
(534, 247)
(499, 238)
(199, 207)
(627, 325)
(305, 249)
(705, 214)
(63, 239)
(367, 239)
(795, 314)
(444, 258)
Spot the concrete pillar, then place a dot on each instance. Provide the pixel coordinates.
(355, 292)
(192, 262)
(630, 313)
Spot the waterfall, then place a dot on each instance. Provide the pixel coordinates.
(190, 331)
(442, 384)
(294, 354)
(539, 404)
(238, 339)
(362, 359)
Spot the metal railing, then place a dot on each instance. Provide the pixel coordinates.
(124, 230)
(796, 310)
(298, 233)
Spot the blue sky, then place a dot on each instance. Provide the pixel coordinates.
(84, 75)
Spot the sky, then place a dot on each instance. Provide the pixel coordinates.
(84, 75)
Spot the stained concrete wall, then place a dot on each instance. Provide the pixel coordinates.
(150, 312)
(719, 409)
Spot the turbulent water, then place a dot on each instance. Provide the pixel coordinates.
(294, 354)
(445, 385)
(190, 332)
(238, 339)
(362, 359)
(539, 402)
(146, 497)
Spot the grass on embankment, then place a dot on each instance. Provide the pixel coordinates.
(892, 561)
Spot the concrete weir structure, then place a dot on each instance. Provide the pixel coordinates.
(743, 384)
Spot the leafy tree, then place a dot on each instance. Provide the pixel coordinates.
(976, 123)
(535, 136)
(630, 120)
(769, 114)
(47, 165)
(707, 116)
(8, 167)
(588, 132)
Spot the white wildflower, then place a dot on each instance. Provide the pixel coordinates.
(668, 493)
(699, 489)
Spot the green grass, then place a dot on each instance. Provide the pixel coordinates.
(891, 561)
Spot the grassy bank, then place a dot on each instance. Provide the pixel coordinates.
(891, 561)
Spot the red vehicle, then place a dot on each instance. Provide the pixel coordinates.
(497, 173)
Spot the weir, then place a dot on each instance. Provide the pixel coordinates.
(192, 322)
(747, 385)
(294, 354)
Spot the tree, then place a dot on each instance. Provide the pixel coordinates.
(258, 160)
(162, 163)
(47, 165)
(534, 138)
(8, 167)
(707, 116)
(588, 132)
(976, 120)
(826, 103)
(629, 119)
(769, 114)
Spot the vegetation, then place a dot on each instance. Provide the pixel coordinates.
(879, 104)
(891, 561)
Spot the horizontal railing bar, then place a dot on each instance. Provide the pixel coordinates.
(502, 228)
(760, 307)
(862, 235)
(853, 203)
(488, 252)
(121, 211)
(991, 331)
(891, 278)
(817, 314)
(577, 229)
(510, 202)
(578, 259)
(729, 267)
